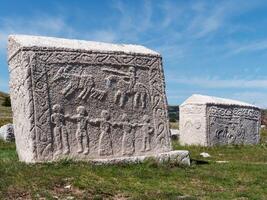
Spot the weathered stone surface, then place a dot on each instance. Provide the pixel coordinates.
(86, 100)
(7, 133)
(176, 157)
(208, 121)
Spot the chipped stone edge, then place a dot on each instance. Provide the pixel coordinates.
(179, 157)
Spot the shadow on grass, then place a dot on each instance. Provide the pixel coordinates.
(199, 162)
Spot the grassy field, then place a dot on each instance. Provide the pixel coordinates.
(239, 174)
(233, 172)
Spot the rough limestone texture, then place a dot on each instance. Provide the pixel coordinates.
(7, 133)
(87, 100)
(208, 121)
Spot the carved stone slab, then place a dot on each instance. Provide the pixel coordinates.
(86, 100)
(209, 121)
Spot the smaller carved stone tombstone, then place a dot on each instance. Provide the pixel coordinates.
(88, 101)
(209, 121)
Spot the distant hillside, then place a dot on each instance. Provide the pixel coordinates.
(3, 95)
(5, 112)
(173, 113)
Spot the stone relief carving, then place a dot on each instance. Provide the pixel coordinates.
(128, 138)
(127, 86)
(193, 109)
(147, 131)
(78, 82)
(73, 109)
(105, 140)
(81, 133)
(231, 125)
(60, 130)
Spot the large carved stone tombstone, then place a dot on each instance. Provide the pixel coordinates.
(86, 100)
(209, 121)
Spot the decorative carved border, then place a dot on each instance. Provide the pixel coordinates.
(41, 134)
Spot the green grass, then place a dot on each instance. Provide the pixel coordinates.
(242, 177)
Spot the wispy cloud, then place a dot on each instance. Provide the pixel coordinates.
(133, 21)
(48, 25)
(220, 83)
(250, 47)
(206, 19)
(41, 25)
(256, 98)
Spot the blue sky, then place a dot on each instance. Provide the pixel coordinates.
(215, 48)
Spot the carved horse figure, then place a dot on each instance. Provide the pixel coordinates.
(128, 86)
(79, 82)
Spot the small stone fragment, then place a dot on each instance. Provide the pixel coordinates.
(67, 187)
(205, 155)
(7, 133)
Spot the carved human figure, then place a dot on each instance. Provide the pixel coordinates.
(130, 78)
(59, 130)
(147, 131)
(128, 138)
(105, 141)
(81, 132)
(127, 85)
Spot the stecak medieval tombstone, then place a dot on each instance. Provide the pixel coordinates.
(91, 101)
(208, 121)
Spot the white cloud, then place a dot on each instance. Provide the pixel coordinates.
(133, 21)
(45, 25)
(220, 83)
(41, 25)
(209, 18)
(256, 98)
(250, 47)
(206, 22)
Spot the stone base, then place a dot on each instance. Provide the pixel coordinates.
(179, 157)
